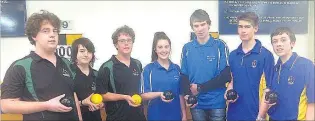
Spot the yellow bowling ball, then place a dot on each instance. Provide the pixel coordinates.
(137, 99)
(96, 98)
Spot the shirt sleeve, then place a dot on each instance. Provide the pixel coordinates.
(141, 69)
(183, 63)
(269, 68)
(102, 80)
(230, 62)
(274, 83)
(179, 74)
(76, 85)
(224, 54)
(13, 83)
(310, 83)
(76, 79)
(145, 80)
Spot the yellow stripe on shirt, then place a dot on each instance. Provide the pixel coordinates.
(262, 86)
(302, 105)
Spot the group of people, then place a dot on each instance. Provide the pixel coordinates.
(34, 85)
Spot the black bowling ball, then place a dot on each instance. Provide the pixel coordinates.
(66, 101)
(271, 96)
(168, 95)
(192, 99)
(231, 94)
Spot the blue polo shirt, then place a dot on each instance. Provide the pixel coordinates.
(247, 70)
(294, 83)
(156, 78)
(201, 63)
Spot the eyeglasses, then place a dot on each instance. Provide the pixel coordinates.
(129, 41)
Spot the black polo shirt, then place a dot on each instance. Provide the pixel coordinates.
(84, 84)
(48, 82)
(127, 82)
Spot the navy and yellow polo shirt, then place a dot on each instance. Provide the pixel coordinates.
(294, 83)
(201, 63)
(156, 78)
(247, 71)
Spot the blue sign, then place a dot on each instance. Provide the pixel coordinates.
(13, 17)
(272, 14)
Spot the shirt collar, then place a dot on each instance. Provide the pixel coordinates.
(77, 70)
(37, 58)
(209, 43)
(290, 63)
(115, 60)
(158, 65)
(257, 48)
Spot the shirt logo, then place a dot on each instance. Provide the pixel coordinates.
(291, 80)
(210, 58)
(65, 73)
(93, 87)
(254, 63)
(135, 72)
(176, 77)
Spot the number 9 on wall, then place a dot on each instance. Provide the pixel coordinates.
(66, 25)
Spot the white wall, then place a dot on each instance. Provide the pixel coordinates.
(311, 31)
(97, 20)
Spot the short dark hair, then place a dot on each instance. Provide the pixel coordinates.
(251, 17)
(158, 36)
(282, 30)
(35, 21)
(124, 29)
(85, 42)
(199, 15)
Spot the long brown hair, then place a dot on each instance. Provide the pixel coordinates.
(158, 36)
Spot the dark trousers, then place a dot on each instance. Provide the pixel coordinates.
(91, 116)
